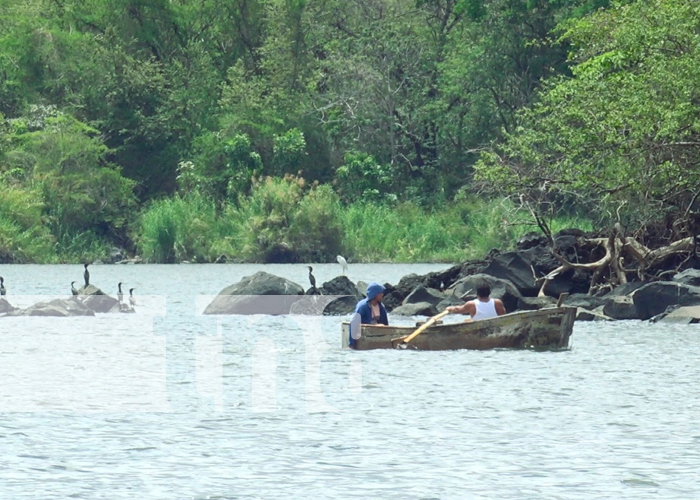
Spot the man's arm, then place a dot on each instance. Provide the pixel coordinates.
(365, 314)
(500, 308)
(466, 308)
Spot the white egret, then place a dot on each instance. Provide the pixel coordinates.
(343, 263)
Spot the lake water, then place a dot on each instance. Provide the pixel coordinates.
(167, 404)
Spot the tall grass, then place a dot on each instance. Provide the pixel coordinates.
(312, 225)
(401, 234)
(179, 228)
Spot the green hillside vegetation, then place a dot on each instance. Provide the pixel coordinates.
(383, 130)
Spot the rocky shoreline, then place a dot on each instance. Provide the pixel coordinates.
(527, 278)
(516, 277)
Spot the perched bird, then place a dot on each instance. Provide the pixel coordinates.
(132, 299)
(3, 290)
(312, 280)
(120, 294)
(344, 263)
(72, 289)
(86, 275)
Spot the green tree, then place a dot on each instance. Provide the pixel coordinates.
(620, 137)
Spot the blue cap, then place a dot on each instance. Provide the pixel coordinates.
(374, 289)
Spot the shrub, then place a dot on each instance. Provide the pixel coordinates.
(23, 235)
(179, 228)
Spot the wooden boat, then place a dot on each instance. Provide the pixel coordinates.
(548, 328)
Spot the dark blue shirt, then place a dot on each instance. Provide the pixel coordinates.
(364, 309)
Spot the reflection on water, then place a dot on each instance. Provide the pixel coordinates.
(168, 404)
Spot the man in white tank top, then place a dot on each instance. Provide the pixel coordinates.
(483, 307)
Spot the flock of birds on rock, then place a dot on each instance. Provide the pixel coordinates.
(75, 292)
(120, 294)
(132, 300)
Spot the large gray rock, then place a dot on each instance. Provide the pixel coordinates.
(584, 301)
(261, 293)
(449, 300)
(5, 306)
(517, 267)
(514, 267)
(586, 315)
(653, 298)
(394, 295)
(683, 315)
(416, 309)
(621, 307)
(96, 299)
(341, 286)
(61, 308)
(465, 289)
(535, 303)
(423, 294)
(688, 277)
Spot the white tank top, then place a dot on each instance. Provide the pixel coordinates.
(484, 310)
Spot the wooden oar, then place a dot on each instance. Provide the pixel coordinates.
(427, 324)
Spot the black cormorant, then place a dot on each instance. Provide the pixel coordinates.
(132, 299)
(86, 275)
(73, 290)
(3, 290)
(120, 294)
(312, 280)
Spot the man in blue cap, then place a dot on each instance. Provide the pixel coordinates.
(371, 309)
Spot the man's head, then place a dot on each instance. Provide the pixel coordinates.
(375, 291)
(483, 291)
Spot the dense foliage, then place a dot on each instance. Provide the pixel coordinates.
(622, 135)
(251, 128)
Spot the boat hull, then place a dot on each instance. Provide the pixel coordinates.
(545, 329)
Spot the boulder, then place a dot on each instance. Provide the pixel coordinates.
(688, 277)
(659, 317)
(61, 308)
(416, 309)
(465, 289)
(449, 300)
(621, 307)
(341, 285)
(515, 267)
(422, 294)
(586, 315)
(394, 295)
(5, 306)
(584, 301)
(623, 290)
(653, 298)
(683, 315)
(97, 300)
(328, 305)
(261, 293)
(535, 303)
(441, 280)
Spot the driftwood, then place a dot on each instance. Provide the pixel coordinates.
(619, 250)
